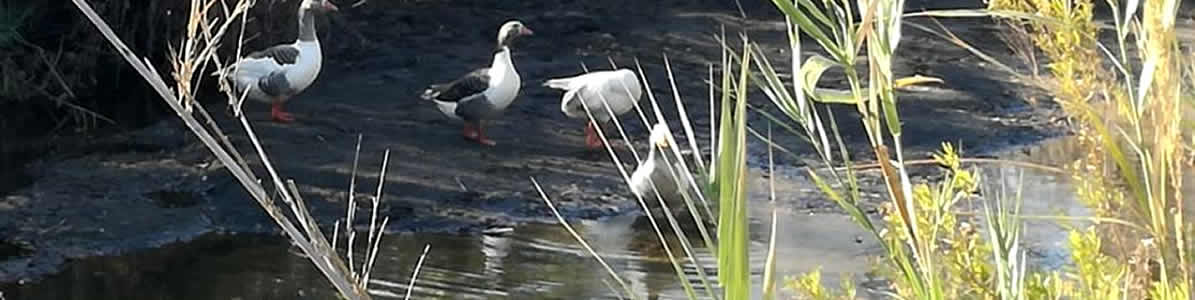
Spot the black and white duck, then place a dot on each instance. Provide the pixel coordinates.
(484, 93)
(618, 89)
(275, 74)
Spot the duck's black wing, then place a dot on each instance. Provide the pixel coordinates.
(281, 54)
(463, 88)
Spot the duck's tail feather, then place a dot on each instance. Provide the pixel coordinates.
(559, 83)
(432, 92)
(568, 102)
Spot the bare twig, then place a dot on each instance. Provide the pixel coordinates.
(213, 127)
(56, 74)
(577, 236)
(309, 239)
(352, 206)
(461, 184)
(414, 275)
(377, 198)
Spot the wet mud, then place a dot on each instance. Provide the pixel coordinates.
(157, 185)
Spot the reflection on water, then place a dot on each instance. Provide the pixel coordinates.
(1051, 194)
(542, 261)
(538, 261)
(1044, 193)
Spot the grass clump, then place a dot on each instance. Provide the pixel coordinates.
(810, 284)
(1128, 120)
(35, 76)
(1131, 119)
(13, 20)
(964, 269)
(722, 182)
(195, 54)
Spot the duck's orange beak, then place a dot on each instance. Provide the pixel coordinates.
(526, 31)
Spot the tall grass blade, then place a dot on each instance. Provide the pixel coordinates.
(646, 208)
(684, 119)
(812, 29)
(733, 264)
(621, 283)
(687, 177)
(982, 13)
(1004, 232)
(769, 271)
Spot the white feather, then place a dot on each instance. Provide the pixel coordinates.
(501, 90)
(448, 108)
(300, 75)
(619, 89)
(306, 67)
(657, 176)
(504, 81)
(247, 72)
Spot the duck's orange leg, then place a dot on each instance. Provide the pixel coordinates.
(592, 140)
(481, 136)
(278, 115)
(473, 132)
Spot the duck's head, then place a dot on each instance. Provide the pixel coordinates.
(659, 136)
(510, 31)
(318, 6)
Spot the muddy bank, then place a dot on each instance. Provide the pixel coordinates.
(157, 185)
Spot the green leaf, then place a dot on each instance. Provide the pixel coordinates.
(812, 70)
(774, 88)
(834, 96)
(817, 14)
(810, 28)
(890, 114)
(734, 268)
(914, 80)
(972, 13)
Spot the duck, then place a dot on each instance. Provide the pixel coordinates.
(657, 175)
(276, 74)
(619, 89)
(484, 93)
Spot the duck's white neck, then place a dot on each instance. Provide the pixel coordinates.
(504, 80)
(502, 59)
(307, 26)
(502, 69)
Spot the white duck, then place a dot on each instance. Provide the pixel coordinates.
(659, 176)
(484, 93)
(276, 74)
(619, 89)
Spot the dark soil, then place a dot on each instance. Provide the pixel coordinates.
(148, 187)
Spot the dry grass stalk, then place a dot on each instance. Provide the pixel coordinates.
(17, 82)
(198, 51)
(1134, 138)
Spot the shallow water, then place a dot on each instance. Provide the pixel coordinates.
(542, 261)
(532, 262)
(1043, 193)
(1050, 194)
